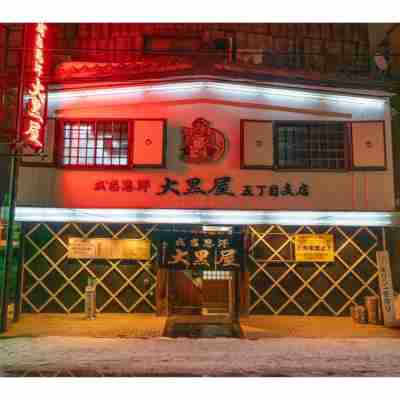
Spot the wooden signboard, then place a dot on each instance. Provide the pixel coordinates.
(386, 289)
(314, 248)
(111, 249)
(134, 249)
(81, 248)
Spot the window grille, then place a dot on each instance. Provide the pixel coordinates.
(216, 275)
(95, 144)
(319, 145)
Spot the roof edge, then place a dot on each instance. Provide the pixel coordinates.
(375, 93)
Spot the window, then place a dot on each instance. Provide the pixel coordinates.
(320, 145)
(95, 144)
(217, 275)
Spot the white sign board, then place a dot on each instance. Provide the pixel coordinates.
(81, 248)
(386, 288)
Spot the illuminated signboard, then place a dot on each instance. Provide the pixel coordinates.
(113, 249)
(201, 251)
(314, 248)
(36, 106)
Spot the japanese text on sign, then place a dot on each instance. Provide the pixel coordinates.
(201, 252)
(33, 135)
(314, 248)
(123, 185)
(120, 249)
(386, 289)
(221, 186)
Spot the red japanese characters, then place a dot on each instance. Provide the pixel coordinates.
(33, 134)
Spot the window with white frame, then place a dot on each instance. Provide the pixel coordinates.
(95, 143)
(311, 145)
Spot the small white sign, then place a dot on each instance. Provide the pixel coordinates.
(81, 248)
(386, 288)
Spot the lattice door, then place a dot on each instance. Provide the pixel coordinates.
(54, 283)
(278, 285)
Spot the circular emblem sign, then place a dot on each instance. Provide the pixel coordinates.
(201, 143)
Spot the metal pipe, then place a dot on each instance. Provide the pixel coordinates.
(383, 239)
(8, 254)
(18, 288)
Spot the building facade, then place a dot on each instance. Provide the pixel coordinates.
(252, 180)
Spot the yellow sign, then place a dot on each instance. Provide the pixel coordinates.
(111, 249)
(314, 248)
(81, 248)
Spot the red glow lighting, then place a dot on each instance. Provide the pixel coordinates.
(33, 135)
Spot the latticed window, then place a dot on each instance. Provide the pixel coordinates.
(217, 275)
(320, 145)
(95, 144)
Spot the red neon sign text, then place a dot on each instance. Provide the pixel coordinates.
(32, 136)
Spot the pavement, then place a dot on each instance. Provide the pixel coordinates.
(134, 345)
(183, 357)
(76, 325)
(151, 326)
(281, 326)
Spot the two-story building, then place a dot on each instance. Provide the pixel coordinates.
(252, 181)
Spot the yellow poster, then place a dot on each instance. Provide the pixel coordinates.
(314, 247)
(111, 249)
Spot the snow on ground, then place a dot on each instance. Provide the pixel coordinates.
(200, 357)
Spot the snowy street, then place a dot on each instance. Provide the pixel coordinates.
(78, 356)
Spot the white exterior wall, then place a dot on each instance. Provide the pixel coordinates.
(352, 190)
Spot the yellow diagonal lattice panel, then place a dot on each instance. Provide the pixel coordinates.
(279, 285)
(54, 283)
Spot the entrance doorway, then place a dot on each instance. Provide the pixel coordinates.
(198, 280)
(218, 292)
(202, 304)
(204, 293)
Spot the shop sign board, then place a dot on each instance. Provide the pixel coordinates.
(196, 186)
(314, 247)
(386, 289)
(112, 249)
(35, 114)
(201, 251)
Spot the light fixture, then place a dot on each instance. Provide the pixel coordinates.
(267, 91)
(210, 228)
(208, 217)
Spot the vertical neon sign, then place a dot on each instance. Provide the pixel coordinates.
(35, 113)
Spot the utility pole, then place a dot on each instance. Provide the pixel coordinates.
(13, 180)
